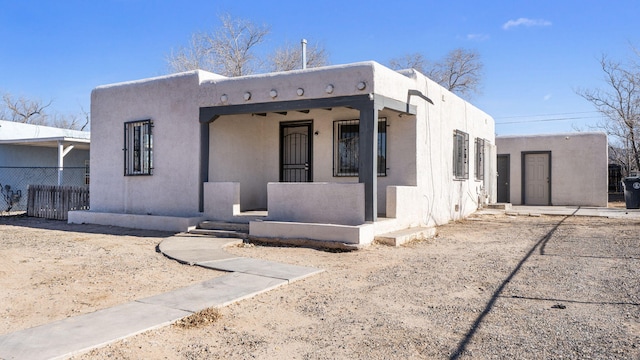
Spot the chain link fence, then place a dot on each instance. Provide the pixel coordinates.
(14, 182)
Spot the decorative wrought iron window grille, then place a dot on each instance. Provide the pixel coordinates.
(479, 166)
(460, 155)
(138, 148)
(346, 135)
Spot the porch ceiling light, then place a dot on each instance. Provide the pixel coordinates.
(329, 89)
(247, 96)
(300, 91)
(273, 93)
(362, 85)
(224, 98)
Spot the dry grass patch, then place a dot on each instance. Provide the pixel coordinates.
(199, 319)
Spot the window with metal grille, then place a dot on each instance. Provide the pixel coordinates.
(346, 135)
(138, 148)
(460, 155)
(87, 176)
(479, 167)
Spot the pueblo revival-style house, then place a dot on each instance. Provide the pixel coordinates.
(336, 154)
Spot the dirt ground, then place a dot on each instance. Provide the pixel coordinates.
(492, 286)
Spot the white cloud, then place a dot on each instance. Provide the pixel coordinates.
(477, 37)
(525, 22)
(547, 97)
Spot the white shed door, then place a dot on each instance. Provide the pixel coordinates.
(536, 182)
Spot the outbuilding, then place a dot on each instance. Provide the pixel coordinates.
(553, 169)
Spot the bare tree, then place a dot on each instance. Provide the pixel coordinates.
(289, 57)
(70, 121)
(29, 111)
(229, 51)
(619, 102)
(234, 43)
(196, 55)
(411, 61)
(620, 154)
(23, 110)
(460, 71)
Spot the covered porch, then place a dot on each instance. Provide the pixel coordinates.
(323, 207)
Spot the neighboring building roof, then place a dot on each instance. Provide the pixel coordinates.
(14, 133)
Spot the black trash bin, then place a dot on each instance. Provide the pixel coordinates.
(631, 186)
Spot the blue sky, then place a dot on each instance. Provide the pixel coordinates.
(536, 53)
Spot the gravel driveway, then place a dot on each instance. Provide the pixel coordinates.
(491, 287)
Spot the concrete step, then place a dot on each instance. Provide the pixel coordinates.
(399, 237)
(221, 225)
(499, 206)
(220, 233)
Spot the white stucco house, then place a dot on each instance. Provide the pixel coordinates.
(36, 154)
(337, 154)
(553, 169)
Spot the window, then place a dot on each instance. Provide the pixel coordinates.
(460, 155)
(86, 172)
(479, 159)
(138, 148)
(346, 152)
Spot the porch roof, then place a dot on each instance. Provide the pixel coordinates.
(211, 113)
(51, 142)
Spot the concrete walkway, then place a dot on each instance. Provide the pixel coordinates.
(247, 277)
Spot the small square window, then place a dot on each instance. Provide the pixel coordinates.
(460, 155)
(138, 148)
(346, 147)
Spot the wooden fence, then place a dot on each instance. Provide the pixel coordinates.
(55, 202)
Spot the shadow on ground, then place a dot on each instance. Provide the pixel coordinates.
(23, 220)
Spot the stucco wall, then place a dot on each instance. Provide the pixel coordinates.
(317, 202)
(443, 197)
(245, 149)
(314, 82)
(171, 102)
(579, 166)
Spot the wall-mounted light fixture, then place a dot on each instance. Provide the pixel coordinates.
(247, 96)
(329, 89)
(273, 93)
(300, 91)
(316, 133)
(224, 98)
(361, 85)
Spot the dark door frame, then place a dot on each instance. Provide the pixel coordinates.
(301, 123)
(508, 157)
(523, 180)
